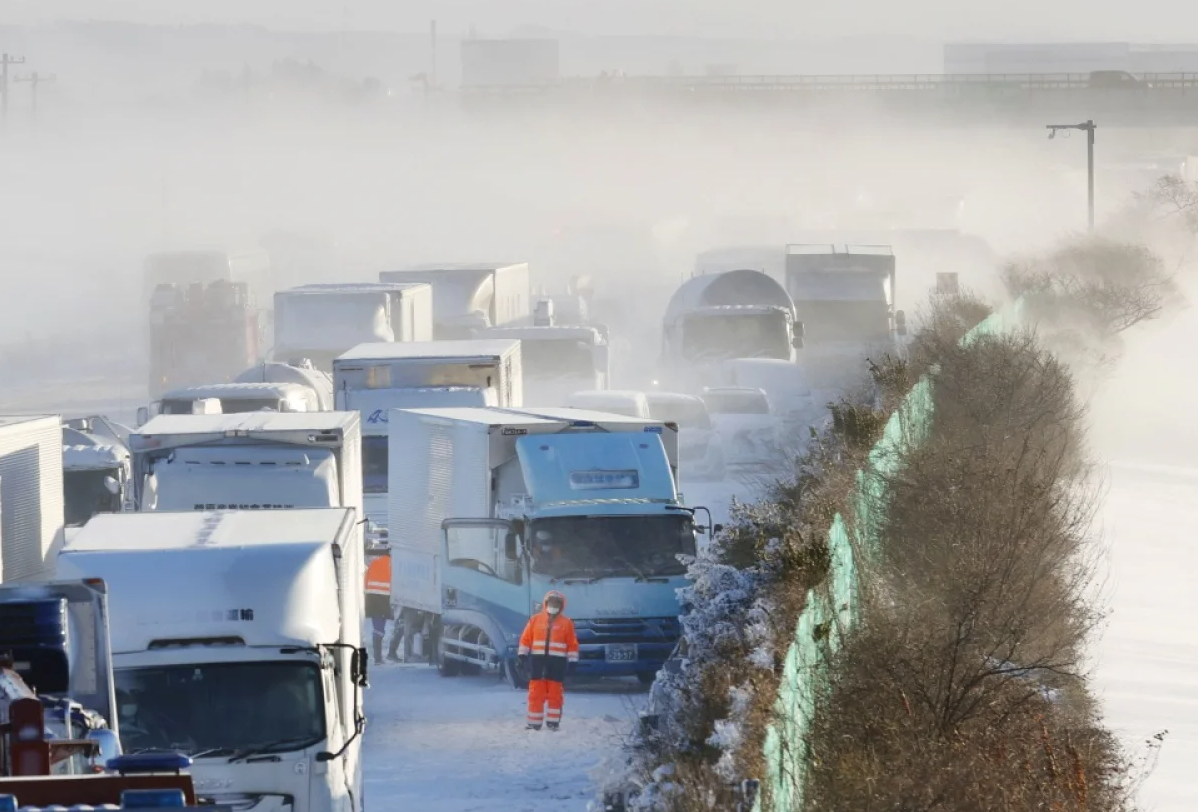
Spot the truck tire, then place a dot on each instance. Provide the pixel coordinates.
(515, 676)
(447, 667)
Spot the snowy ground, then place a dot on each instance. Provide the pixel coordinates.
(458, 745)
(1147, 662)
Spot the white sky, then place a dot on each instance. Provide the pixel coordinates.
(1114, 20)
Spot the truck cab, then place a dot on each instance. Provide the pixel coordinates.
(234, 398)
(236, 640)
(513, 503)
(558, 359)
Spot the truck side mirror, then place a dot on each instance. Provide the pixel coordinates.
(111, 485)
(602, 357)
(797, 342)
(900, 323)
(511, 546)
(143, 416)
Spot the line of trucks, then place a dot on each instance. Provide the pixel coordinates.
(228, 530)
(234, 574)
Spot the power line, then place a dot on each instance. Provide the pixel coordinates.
(5, 61)
(34, 80)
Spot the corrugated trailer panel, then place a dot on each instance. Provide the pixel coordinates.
(31, 500)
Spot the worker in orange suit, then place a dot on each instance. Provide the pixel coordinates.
(378, 599)
(548, 649)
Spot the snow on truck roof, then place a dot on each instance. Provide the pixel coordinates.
(266, 577)
(487, 416)
(413, 350)
(451, 267)
(100, 457)
(17, 419)
(248, 421)
(232, 390)
(321, 288)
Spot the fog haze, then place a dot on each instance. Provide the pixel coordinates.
(1154, 21)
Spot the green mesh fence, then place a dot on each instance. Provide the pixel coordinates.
(832, 609)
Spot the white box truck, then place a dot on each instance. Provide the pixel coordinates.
(236, 638)
(372, 379)
(319, 322)
(251, 461)
(31, 495)
(490, 508)
(470, 296)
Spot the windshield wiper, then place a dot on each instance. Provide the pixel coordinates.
(565, 576)
(271, 748)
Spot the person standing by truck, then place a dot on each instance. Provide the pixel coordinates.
(378, 598)
(549, 641)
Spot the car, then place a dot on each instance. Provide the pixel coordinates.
(746, 424)
(626, 402)
(700, 452)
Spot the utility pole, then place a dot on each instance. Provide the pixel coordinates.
(5, 61)
(34, 80)
(1089, 127)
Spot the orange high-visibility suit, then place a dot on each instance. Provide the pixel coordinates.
(550, 645)
(378, 601)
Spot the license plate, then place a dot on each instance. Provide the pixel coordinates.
(621, 653)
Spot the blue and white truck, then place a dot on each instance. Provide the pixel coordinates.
(490, 508)
(372, 379)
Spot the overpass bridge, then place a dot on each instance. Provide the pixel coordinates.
(1114, 98)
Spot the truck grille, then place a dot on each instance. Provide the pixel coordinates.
(598, 631)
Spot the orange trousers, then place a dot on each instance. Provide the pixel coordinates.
(540, 692)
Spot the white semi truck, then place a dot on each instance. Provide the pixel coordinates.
(715, 317)
(236, 639)
(470, 296)
(97, 476)
(319, 322)
(558, 359)
(492, 507)
(844, 296)
(251, 461)
(373, 379)
(31, 495)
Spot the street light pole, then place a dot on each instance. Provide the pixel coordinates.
(1089, 127)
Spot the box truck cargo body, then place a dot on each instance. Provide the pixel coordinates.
(372, 379)
(252, 461)
(236, 638)
(319, 322)
(469, 296)
(490, 508)
(31, 495)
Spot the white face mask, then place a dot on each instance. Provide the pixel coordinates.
(553, 610)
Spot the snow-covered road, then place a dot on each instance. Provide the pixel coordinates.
(1147, 661)
(459, 745)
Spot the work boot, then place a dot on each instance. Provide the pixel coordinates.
(378, 650)
(393, 647)
(553, 725)
(532, 726)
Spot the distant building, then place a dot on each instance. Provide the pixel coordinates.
(1069, 57)
(510, 62)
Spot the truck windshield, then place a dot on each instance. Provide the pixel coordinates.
(84, 495)
(736, 403)
(556, 357)
(374, 464)
(222, 707)
(607, 546)
(845, 321)
(227, 405)
(688, 414)
(743, 335)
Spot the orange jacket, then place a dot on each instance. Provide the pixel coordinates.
(378, 576)
(549, 635)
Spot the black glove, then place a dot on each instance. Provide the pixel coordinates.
(571, 666)
(523, 659)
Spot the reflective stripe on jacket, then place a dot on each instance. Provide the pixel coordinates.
(549, 635)
(378, 576)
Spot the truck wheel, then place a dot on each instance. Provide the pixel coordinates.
(447, 667)
(515, 676)
(646, 677)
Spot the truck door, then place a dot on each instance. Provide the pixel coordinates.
(486, 570)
